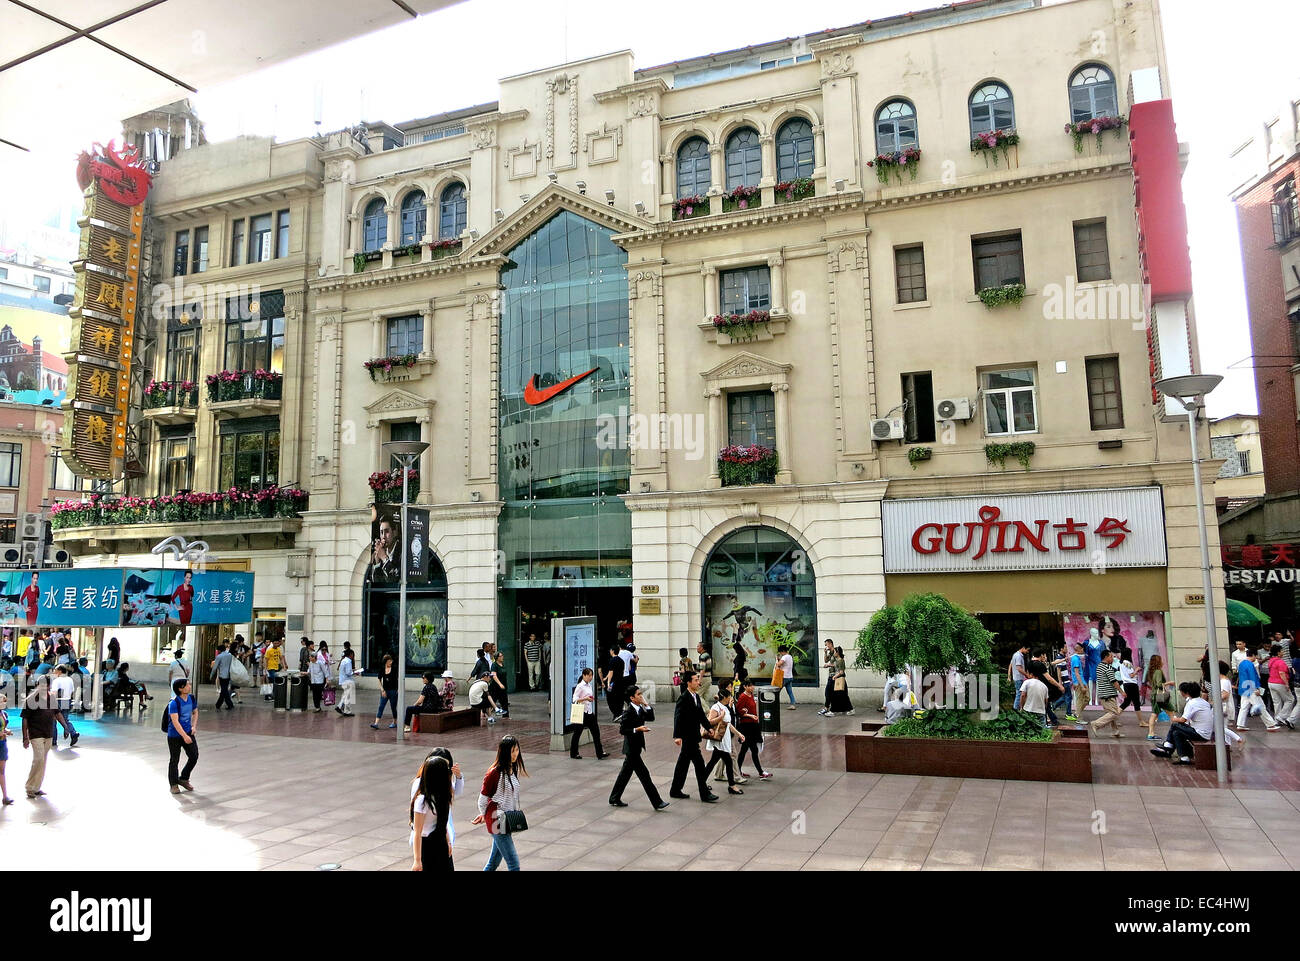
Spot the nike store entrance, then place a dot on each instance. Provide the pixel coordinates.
(564, 533)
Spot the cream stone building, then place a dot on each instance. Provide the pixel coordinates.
(593, 289)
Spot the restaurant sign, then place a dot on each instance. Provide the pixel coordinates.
(1058, 530)
(1259, 564)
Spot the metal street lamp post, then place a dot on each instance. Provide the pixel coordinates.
(407, 452)
(1190, 391)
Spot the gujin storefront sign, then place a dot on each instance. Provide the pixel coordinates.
(1259, 564)
(1061, 530)
(103, 311)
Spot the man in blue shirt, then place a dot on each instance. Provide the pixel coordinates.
(1249, 694)
(182, 726)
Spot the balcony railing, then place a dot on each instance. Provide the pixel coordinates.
(244, 385)
(739, 466)
(231, 505)
(163, 393)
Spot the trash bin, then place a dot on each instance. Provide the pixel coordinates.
(298, 692)
(280, 693)
(769, 710)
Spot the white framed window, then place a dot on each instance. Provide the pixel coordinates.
(1010, 401)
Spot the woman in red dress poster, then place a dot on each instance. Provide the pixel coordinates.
(183, 598)
(31, 598)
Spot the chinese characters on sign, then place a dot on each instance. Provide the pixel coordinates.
(113, 597)
(1259, 564)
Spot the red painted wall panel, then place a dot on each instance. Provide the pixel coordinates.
(1161, 216)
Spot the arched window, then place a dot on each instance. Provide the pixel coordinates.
(374, 225)
(413, 217)
(758, 590)
(744, 159)
(452, 212)
(991, 108)
(895, 127)
(794, 150)
(1092, 93)
(694, 176)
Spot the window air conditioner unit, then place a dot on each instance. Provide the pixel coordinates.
(57, 557)
(953, 408)
(31, 553)
(11, 554)
(887, 428)
(298, 564)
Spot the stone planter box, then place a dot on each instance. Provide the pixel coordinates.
(1065, 759)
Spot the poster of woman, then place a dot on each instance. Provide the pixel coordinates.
(1133, 635)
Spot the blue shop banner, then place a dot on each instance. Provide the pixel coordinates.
(87, 597)
(152, 597)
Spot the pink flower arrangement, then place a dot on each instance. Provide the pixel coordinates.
(1097, 126)
(740, 326)
(795, 189)
(388, 480)
(386, 364)
(742, 197)
(192, 506)
(992, 141)
(899, 160)
(740, 465)
(684, 207)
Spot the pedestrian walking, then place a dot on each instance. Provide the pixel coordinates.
(178, 668)
(497, 685)
(1196, 723)
(430, 815)
(62, 690)
(1033, 691)
(612, 678)
(721, 731)
(498, 804)
(1132, 692)
(387, 691)
(634, 726)
(182, 735)
(273, 660)
(1248, 692)
(457, 790)
(221, 672)
(305, 654)
(533, 658)
(785, 665)
(347, 686)
(1162, 693)
(839, 685)
(1279, 684)
(1107, 696)
(585, 696)
(689, 721)
(828, 662)
(704, 667)
(4, 748)
(747, 721)
(319, 674)
(1016, 672)
(38, 732)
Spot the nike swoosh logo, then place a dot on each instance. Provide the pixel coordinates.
(533, 396)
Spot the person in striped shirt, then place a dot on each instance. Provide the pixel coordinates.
(1107, 696)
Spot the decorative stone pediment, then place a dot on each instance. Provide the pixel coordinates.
(747, 367)
(552, 199)
(399, 404)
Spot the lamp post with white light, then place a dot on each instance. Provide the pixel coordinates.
(1190, 391)
(406, 453)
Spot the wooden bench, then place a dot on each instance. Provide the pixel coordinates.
(442, 721)
(1203, 756)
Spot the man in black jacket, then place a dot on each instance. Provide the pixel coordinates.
(689, 721)
(633, 728)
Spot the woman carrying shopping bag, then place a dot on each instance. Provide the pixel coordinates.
(318, 674)
(582, 714)
(720, 733)
(840, 703)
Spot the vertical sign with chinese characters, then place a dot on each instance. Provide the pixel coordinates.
(103, 317)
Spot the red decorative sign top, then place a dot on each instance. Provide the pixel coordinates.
(1258, 555)
(122, 176)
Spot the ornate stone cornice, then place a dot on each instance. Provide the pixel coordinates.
(743, 219)
(541, 208)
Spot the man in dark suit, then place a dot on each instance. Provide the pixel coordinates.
(633, 728)
(689, 721)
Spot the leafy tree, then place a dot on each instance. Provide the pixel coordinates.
(927, 631)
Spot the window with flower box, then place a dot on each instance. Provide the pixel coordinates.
(453, 212)
(250, 453)
(747, 289)
(694, 170)
(402, 431)
(991, 108)
(413, 217)
(405, 335)
(1010, 401)
(895, 127)
(744, 159)
(255, 332)
(177, 468)
(1092, 93)
(374, 226)
(794, 150)
(999, 261)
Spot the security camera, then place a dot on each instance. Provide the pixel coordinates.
(640, 208)
(582, 186)
(609, 197)
(499, 214)
(552, 176)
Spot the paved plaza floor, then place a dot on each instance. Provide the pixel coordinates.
(277, 791)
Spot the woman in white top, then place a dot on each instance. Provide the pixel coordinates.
(319, 674)
(430, 816)
(429, 824)
(786, 663)
(347, 686)
(720, 721)
(585, 695)
(1132, 692)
